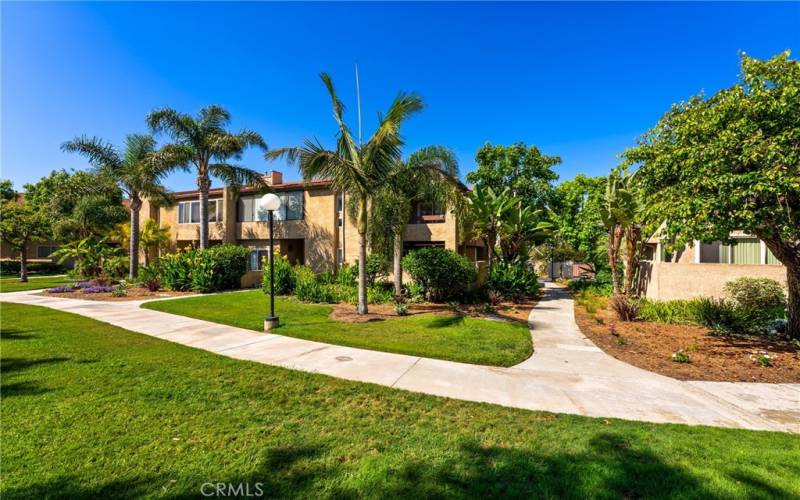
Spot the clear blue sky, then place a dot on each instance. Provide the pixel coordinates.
(579, 80)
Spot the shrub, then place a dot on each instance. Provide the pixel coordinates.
(512, 280)
(285, 279)
(176, 270)
(347, 275)
(401, 309)
(414, 292)
(680, 357)
(116, 267)
(625, 308)
(667, 311)
(230, 264)
(98, 289)
(595, 286)
(759, 299)
(61, 289)
(380, 293)
(121, 290)
(443, 274)
(309, 289)
(720, 315)
(11, 267)
(150, 277)
(377, 268)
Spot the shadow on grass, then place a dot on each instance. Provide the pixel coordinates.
(11, 365)
(613, 466)
(22, 389)
(13, 334)
(446, 321)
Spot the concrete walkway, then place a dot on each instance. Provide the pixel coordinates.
(566, 374)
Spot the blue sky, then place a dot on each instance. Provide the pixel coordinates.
(580, 80)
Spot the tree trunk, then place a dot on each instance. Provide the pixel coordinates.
(203, 185)
(362, 259)
(614, 242)
(23, 264)
(133, 255)
(789, 255)
(491, 239)
(398, 268)
(632, 235)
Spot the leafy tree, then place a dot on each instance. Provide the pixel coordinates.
(359, 170)
(524, 170)
(138, 171)
(576, 214)
(152, 237)
(79, 204)
(429, 175)
(487, 210)
(88, 255)
(730, 162)
(202, 143)
(7, 192)
(21, 225)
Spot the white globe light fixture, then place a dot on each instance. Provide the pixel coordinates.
(270, 202)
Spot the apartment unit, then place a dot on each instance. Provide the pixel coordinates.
(310, 227)
(703, 269)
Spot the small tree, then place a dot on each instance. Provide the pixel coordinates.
(487, 211)
(21, 225)
(730, 162)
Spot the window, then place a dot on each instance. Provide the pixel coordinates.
(257, 257)
(189, 211)
(291, 208)
(44, 251)
(428, 213)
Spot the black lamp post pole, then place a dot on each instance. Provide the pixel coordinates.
(271, 321)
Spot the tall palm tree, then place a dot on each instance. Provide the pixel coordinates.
(204, 145)
(429, 175)
(138, 171)
(355, 168)
(488, 209)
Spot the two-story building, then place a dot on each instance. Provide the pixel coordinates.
(310, 227)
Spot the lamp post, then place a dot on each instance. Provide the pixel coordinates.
(270, 202)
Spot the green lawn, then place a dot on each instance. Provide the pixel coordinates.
(92, 411)
(471, 340)
(34, 283)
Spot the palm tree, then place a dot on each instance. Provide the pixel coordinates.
(521, 227)
(355, 168)
(138, 171)
(204, 145)
(429, 175)
(154, 238)
(616, 212)
(488, 210)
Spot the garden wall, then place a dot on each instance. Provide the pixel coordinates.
(673, 280)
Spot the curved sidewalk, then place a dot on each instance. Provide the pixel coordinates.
(566, 374)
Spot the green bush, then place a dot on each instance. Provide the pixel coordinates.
(759, 299)
(150, 277)
(217, 268)
(230, 264)
(443, 274)
(347, 275)
(668, 311)
(597, 285)
(720, 315)
(11, 268)
(285, 279)
(309, 289)
(176, 270)
(512, 280)
(117, 266)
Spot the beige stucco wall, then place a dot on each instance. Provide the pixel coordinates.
(668, 280)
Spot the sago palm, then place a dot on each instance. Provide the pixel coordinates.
(205, 145)
(358, 170)
(138, 171)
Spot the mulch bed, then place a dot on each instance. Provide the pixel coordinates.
(377, 312)
(134, 293)
(650, 346)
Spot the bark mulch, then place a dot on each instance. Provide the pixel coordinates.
(134, 293)
(505, 310)
(650, 346)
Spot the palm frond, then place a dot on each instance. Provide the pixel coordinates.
(179, 126)
(99, 154)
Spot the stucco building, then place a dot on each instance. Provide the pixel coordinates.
(310, 228)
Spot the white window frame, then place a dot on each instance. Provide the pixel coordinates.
(214, 210)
